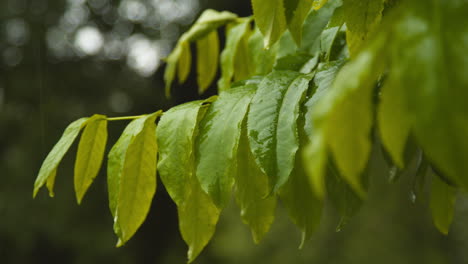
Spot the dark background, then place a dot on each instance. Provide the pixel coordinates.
(50, 75)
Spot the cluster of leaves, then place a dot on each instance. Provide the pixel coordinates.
(305, 96)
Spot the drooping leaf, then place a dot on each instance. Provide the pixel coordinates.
(257, 210)
(314, 24)
(341, 195)
(207, 60)
(394, 118)
(48, 169)
(287, 130)
(442, 203)
(263, 118)
(303, 206)
(262, 60)
(438, 93)
(90, 154)
(137, 180)
(315, 153)
(343, 118)
(198, 214)
(296, 13)
(185, 62)
(362, 17)
(233, 38)
(175, 140)
(171, 68)
(243, 66)
(116, 160)
(217, 143)
(270, 18)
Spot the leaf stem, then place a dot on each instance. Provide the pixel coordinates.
(124, 118)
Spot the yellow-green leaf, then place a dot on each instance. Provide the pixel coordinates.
(270, 18)
(175, 140)
(296, 13)
(207, 60)
(185, 62)
(217, 142)
(233, 38)
(345, 114)
(362, 17)
(137, 180)
(257, 210)
(263, 126)
(442, 203)
(48, 169)
(90, 154)
(198, 216)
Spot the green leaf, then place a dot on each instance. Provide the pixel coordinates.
(362, 17)
(257, 208)
(116, 160)
(198, 214)
(184, 63)
(48, 169)
(270, 18)
(296, 13)
(207, 60)
(315, 153)
(303, 206)
(216, 146)
(300, 62)
(314, 24)
(263, 119)
(233, 38)
(90, 154)
(243, 66)
(394, 118)
(171, 68)
(137, 180)
(437, 98)
(175, 140)
(261, 59)
(442, 203)
(345, 114)
(341, 195)
(287, 134)
(327, 39)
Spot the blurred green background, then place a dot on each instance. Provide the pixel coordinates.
(64, 59)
